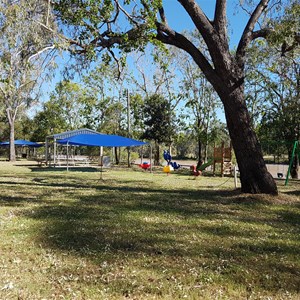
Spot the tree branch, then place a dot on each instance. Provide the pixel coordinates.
(107, 40)
(220, 21)
(41, 51)
(262, 33)
(200, 20)
(171, 37)
(48, 12)
(247, 34)
(216, 41)
(125, 13)
(162, 15)
(286, 48)
(3, 92)
(116, 60)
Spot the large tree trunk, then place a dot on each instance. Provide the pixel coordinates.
(254, 175)
(117, 160)
(156, 154)
(295, 163)
(11, 117)
(200, 160)
(295, 168)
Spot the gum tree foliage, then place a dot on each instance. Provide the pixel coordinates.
(273, 87)
(107, 87)
(109, 94)
(158, 122)
(66, 109)
(156, 75)
(275, 99)
(26, 48)
(280, 120)
(71, 100)
(48, 121)
(118, 27)
(201, 101)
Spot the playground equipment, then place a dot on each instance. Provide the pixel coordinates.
(168, 158)
(223, 156)
(145, 166)
(296, 148)
(196, 171)
(168, 169)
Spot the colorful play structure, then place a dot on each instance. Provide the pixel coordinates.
(145, 166)
(296, 151)
(223, 156)
(168, 169)
(171, 165)
(196, 171)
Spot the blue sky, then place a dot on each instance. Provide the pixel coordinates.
(179, 20)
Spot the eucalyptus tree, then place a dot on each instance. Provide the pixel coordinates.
(156, 75)
(26, 48)
(98, 25)
(275, 75)
(108, 88)
(72, 102)
(201, 101)
(49, 120)
(158, 121)
(280, 124)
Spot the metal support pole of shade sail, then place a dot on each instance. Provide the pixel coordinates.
(150, 157)
(101, 163)
(67, 156)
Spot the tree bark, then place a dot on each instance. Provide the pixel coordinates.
(295, 168)
(295, 163)
(11, 116)
(200, 160)
(156, 154)
(254, 175)
(117, 161)
(12, 149)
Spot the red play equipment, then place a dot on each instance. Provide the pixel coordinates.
(194, 171)
(145, 165)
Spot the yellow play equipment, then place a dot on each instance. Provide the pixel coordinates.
(167, 169)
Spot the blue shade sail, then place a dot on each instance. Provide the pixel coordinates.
(23, 143)
(105, 140)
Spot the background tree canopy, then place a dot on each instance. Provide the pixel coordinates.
(110, 30)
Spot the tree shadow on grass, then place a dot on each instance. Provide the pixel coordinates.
(293, 193)
(235, 238)
(218, 228)
(64, 169)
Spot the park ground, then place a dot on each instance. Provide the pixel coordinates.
(137, 235)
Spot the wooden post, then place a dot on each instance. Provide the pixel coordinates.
(214, 165)
(235, 176)
(222, 159)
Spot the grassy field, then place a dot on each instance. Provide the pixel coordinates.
(136, 235)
